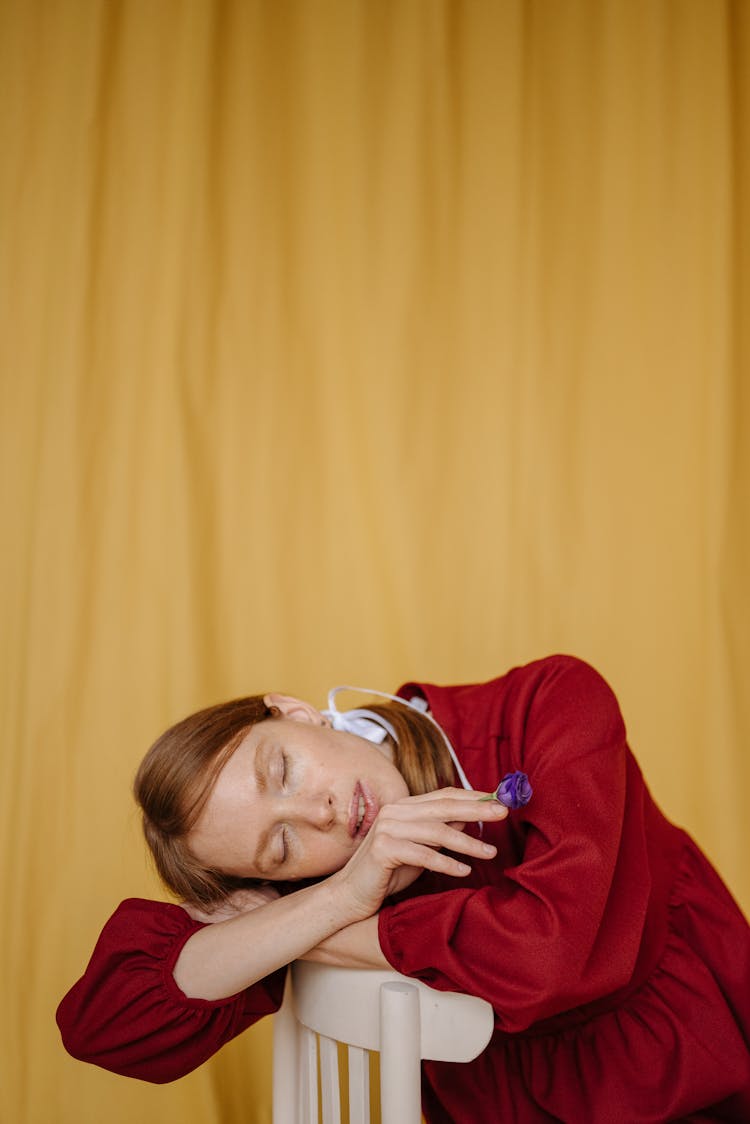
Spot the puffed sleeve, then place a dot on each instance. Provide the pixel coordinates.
(560, 924)
(128, 1015)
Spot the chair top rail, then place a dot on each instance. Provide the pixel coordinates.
(343, 1003)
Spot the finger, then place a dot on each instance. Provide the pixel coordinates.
(391, 838)
(428, 859)
(446, 809)
(457, 796)
(463, 844)
(447, 793)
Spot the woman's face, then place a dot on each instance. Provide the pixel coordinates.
(295, 799)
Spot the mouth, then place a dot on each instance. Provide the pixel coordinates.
(362, 811)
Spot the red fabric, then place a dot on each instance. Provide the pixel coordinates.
(128, 1015)
(616, 961)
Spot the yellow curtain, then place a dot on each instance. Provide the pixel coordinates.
(354, 341)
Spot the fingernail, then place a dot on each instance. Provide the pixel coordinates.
(488, 849)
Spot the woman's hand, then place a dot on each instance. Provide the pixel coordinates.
(240, 901)
(408, 837)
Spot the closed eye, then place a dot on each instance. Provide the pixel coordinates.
(283, 770)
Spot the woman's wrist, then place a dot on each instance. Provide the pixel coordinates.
(348, 899)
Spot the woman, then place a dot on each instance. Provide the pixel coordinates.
(616, 961)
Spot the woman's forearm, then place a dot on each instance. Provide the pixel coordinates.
(355, 946)
(223, 959)
(405, 838)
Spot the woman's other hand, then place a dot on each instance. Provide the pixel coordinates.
(410, 836)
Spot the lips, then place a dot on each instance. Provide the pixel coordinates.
(362, 811)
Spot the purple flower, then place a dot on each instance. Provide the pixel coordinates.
(514, 790)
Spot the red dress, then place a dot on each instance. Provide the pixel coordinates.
(616, 961)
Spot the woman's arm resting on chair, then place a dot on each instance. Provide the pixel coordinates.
(227, 957)
(224, 958)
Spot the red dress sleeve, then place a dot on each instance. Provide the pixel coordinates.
(128, 1015)
(557, 920)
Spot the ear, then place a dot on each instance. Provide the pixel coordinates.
(296, 709)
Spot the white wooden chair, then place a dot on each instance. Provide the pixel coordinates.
(402, 1019)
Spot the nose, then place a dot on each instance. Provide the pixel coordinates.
(316, 810)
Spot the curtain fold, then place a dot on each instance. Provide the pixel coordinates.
(354, 341)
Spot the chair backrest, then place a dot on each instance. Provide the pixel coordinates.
(402, 1019)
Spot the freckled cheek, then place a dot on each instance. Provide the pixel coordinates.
(336, 856)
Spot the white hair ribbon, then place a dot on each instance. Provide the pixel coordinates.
(371, 726)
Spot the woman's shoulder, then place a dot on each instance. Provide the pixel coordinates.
(545, 670)
(564, 675)
(549, 669)
(562, 683)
